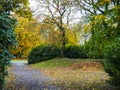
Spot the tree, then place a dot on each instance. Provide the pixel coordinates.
(49, 32)
(27, 36)
(112, 64)
(105, 33)
(31, 33)
(71, 36)
(83, 31)
(58, 10)
(101, 14)
(23, 9)
(7, 36)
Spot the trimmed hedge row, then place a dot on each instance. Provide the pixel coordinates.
(42, 53)
(75, 52)
(46, 52)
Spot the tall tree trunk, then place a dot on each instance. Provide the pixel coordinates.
(63, 41)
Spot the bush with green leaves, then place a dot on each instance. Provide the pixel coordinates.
(42, 53)
(74, 51)
(7, 39)
(112, 64)
(46, 52)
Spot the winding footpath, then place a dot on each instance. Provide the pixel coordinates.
(30, 79)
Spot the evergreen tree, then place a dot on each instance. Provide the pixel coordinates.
(7, 36)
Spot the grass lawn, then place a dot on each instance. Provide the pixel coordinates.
(76, 74)
(61, 62)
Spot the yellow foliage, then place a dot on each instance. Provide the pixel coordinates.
(31, 34)
(71, 36)
(98, 19)
(86, 28)
(27, 36)
(104, 2)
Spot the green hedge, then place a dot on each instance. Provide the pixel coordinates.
(46, 52)
(7, 39)
(74, 51)
(42, 53)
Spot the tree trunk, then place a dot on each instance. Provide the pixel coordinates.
(63, 41)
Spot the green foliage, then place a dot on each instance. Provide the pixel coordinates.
(93, 49)
(105, 28)
(112, 64)
(7, 39)
(7, 36)
(46, 52)
(102, 23)
(74, 51)
(23, 9)
(42, 53)
(56, 62)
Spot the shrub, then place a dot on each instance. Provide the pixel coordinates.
(112, 64)
(74, 51)
(46, 52)
(42, 53)
(7, 38)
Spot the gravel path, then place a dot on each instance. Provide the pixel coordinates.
(30, 79)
